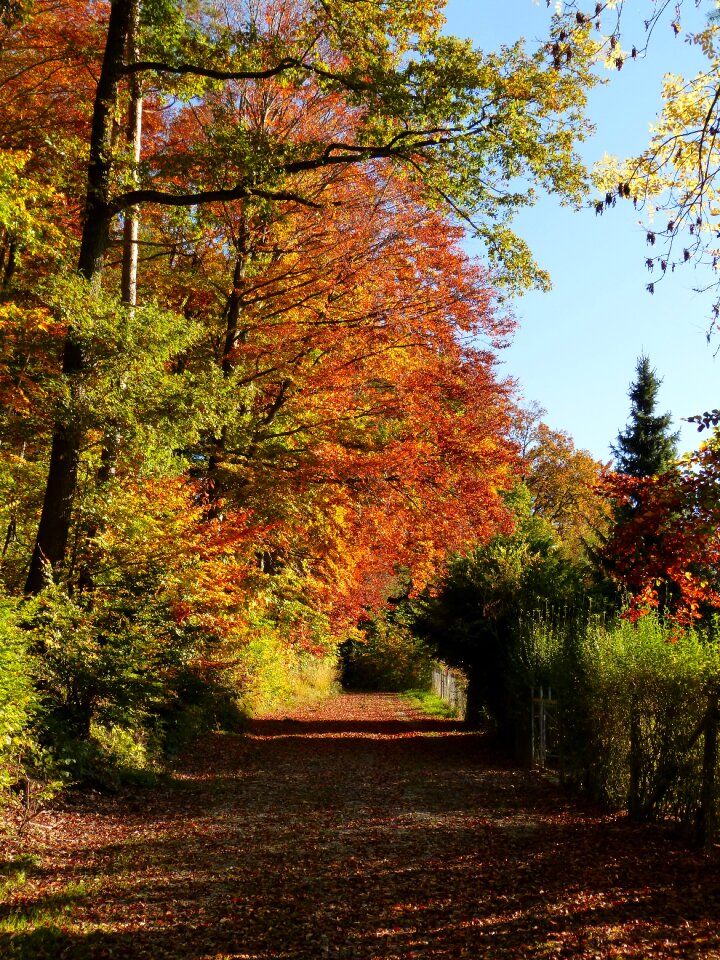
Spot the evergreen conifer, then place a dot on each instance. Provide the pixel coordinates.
(646, 447)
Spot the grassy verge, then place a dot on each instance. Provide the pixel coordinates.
(430, 704)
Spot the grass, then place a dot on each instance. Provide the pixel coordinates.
(41, 929)
(14, 873)
(430, 704)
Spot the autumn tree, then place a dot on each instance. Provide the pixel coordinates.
(667, 551)
(562, 481)
(464, 124)
(355, 421)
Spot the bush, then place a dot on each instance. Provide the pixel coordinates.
(648, 687)
(106, 672)
(29, 774)
(387, 656)
(271, 672)
(633, 700)
(19, 702)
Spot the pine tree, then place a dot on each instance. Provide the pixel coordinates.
(646, 447)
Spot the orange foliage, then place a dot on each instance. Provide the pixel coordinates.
(666, 553)
(48, 74)
(363, 428)
(378, 431)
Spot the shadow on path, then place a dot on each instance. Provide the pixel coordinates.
(361, 830)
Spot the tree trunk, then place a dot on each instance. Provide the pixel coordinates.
(52, 537)
(707, 814)
(635, 800)
(134, 137)
(10, 265)
(234, 333)
(131, 231)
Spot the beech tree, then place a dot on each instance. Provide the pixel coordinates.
(463, 123)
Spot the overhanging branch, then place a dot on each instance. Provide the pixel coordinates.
(211, 73)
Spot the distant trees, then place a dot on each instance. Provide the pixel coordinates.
(473, 621)
(664, 546)
(562, 481)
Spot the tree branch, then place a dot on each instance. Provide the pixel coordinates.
(222, 195)
(212, 73)
(216, 73)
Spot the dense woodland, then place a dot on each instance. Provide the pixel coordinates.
(252, 431)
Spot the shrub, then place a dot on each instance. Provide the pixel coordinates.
(648, 687)
(19, 702)
(29, 774)
(386, 655)
(633, 700)
(271, 672)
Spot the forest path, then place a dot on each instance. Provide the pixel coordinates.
(357, 828)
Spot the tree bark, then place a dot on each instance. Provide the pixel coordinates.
(234, 333)
(707, 814)
(10, 265)
(53, 530)
(131, 224)
(131, 231)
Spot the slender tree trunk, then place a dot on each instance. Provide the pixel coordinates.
(234, 332)
(707, 814)
(53, 530)
(10, 265)
(635, 800)
(131, 226)
(131, 229)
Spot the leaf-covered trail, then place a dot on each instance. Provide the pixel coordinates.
(356, 829)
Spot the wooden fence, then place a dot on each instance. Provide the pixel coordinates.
(450, 687)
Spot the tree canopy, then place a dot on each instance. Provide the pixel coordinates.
(249, 372)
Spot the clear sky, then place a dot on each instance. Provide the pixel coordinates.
(576, 347)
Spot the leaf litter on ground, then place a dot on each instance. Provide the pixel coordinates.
(356, 828)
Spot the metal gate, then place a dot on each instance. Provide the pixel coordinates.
(545, 742)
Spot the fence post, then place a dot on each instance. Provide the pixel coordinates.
(707, 815)
(634, 804)
(532, 727)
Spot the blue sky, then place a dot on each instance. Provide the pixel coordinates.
(576, 347)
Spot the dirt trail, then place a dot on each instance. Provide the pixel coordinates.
(357, 829)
